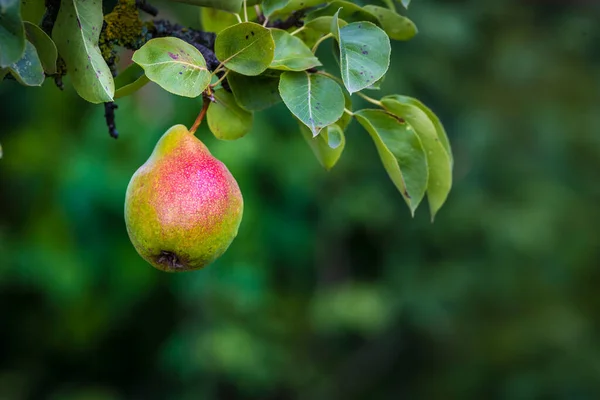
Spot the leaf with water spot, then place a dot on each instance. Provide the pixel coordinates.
(291, 54)
(28, 70)
(176, 66)
(327, 146)
(364, 53)
(226, 119)
(130, 80)
(246, 48)
(76, 33)
(438, 160)
(314, 99)
(401, 153)
(45, 47)
(12, 34)
(254, 93)
(395, 25)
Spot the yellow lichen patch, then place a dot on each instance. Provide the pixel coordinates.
(123, 24)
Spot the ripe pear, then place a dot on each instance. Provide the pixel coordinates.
(183, 207)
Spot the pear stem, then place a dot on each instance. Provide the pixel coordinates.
(206, 99)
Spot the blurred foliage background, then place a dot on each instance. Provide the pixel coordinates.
(331, 289)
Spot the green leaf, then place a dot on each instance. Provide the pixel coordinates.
(364, 53)
(233, 6)
(226, 119)
(254, 93)
(295, 5)
(130, 80)
(328, 146)
(438, 160)
(3, 73)
(214, 20)
(314, 99)
(176, 66)
(376, 85)
(401, 152)
(270, 6)
(291, 54)
(45, 47)
(349, 12)
(395, 25)
(441, 132)
(76, 34)
(247, 48)
(28, 70)
(1, 153)
(12, 34)
(32, 10)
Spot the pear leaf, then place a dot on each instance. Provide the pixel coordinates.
(32, 10)
(291, 54)
(438, 160)
(254, 93)
(12, 34)
(295, 5)
(247, 48)
(233, 6)
(28, 70)
(176, 66)
(314, 99)
(270, 6)
(395, 25)
(441, 132)
(401, 153)
(226, 119)
(130, 80)
(45, 47)
(328, 146)
(364, 53)
(348, 12)
(76, 33)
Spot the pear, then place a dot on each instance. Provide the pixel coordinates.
(183, 207)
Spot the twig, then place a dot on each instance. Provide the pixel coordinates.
(49, 18)
(294, 20)
(147, 8)
(109, 114)
(206, 100)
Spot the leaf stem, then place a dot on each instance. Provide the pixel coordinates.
(350, 113)
(206, 99)
(220, 79)
(321, 40)
(245, 11)
(238, 17)
(369, 99)
(335, 78)
(298, 30)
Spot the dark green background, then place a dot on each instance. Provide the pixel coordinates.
(331, 290)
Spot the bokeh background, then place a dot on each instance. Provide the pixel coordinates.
(331, 290)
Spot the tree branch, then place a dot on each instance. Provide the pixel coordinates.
(109, 114)
(146, 7)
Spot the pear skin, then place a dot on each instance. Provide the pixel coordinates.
(183, 207)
